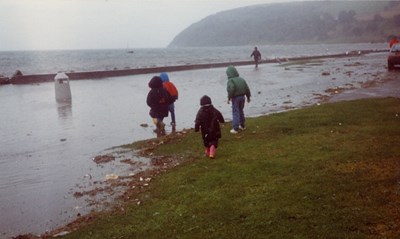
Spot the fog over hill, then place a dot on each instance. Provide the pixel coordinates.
(295, 22)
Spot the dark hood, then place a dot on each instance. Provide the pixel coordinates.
(155, 82)
(205, 100)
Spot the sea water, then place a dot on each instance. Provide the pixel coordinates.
(47, 147)
(40, 62)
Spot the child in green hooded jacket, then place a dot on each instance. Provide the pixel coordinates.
(237, 89)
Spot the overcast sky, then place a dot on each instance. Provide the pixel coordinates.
(102, 24)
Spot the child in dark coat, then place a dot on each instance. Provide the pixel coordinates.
(207, 120)
(158, 100)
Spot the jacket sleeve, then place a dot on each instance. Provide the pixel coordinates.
(248, 93)
(197, 122)
(150, 100)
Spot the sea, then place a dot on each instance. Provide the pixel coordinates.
(47, 147)
(45, 62)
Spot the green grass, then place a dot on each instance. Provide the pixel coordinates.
(329, 171)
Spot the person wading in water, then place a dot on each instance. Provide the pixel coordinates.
(256, 55)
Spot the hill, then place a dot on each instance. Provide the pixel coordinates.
(295, 22)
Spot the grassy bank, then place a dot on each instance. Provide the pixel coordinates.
(329, 171)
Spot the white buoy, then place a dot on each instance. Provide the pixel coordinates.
(62, 88)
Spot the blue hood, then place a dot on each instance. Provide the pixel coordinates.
(164, 77)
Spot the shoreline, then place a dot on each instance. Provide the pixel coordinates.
(134, 203)
(165, 163)
(39, 78)
(138, 183)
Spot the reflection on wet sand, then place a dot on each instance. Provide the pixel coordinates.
(64, 110)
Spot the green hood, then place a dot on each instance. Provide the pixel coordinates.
(236, 85)
(231, 72)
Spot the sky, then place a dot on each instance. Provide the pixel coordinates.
(102, 24)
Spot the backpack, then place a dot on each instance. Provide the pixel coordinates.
(171, 90)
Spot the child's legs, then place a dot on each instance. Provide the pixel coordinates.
(212, 151)
(241, 113)
(207, 151)
(235, 114)
(237, 111)
(213, 147)
(171, 109)
(157, 121)
(160, 126)
(206, 145)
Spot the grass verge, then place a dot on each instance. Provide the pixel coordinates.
(329, 171)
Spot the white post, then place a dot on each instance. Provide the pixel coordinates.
(62, 88)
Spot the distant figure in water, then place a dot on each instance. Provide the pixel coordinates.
(256, 55)
(158, 100)
(207, 120)
(394, 41)
(170, 87)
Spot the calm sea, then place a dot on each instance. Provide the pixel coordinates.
(38, 62)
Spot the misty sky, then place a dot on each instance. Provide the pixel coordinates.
(102, 24)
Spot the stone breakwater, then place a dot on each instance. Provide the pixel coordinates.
(4, 80)
(29, 79)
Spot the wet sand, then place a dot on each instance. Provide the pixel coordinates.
(389, 87)
(275, 88)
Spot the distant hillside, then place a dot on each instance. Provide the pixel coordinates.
(296, 22)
